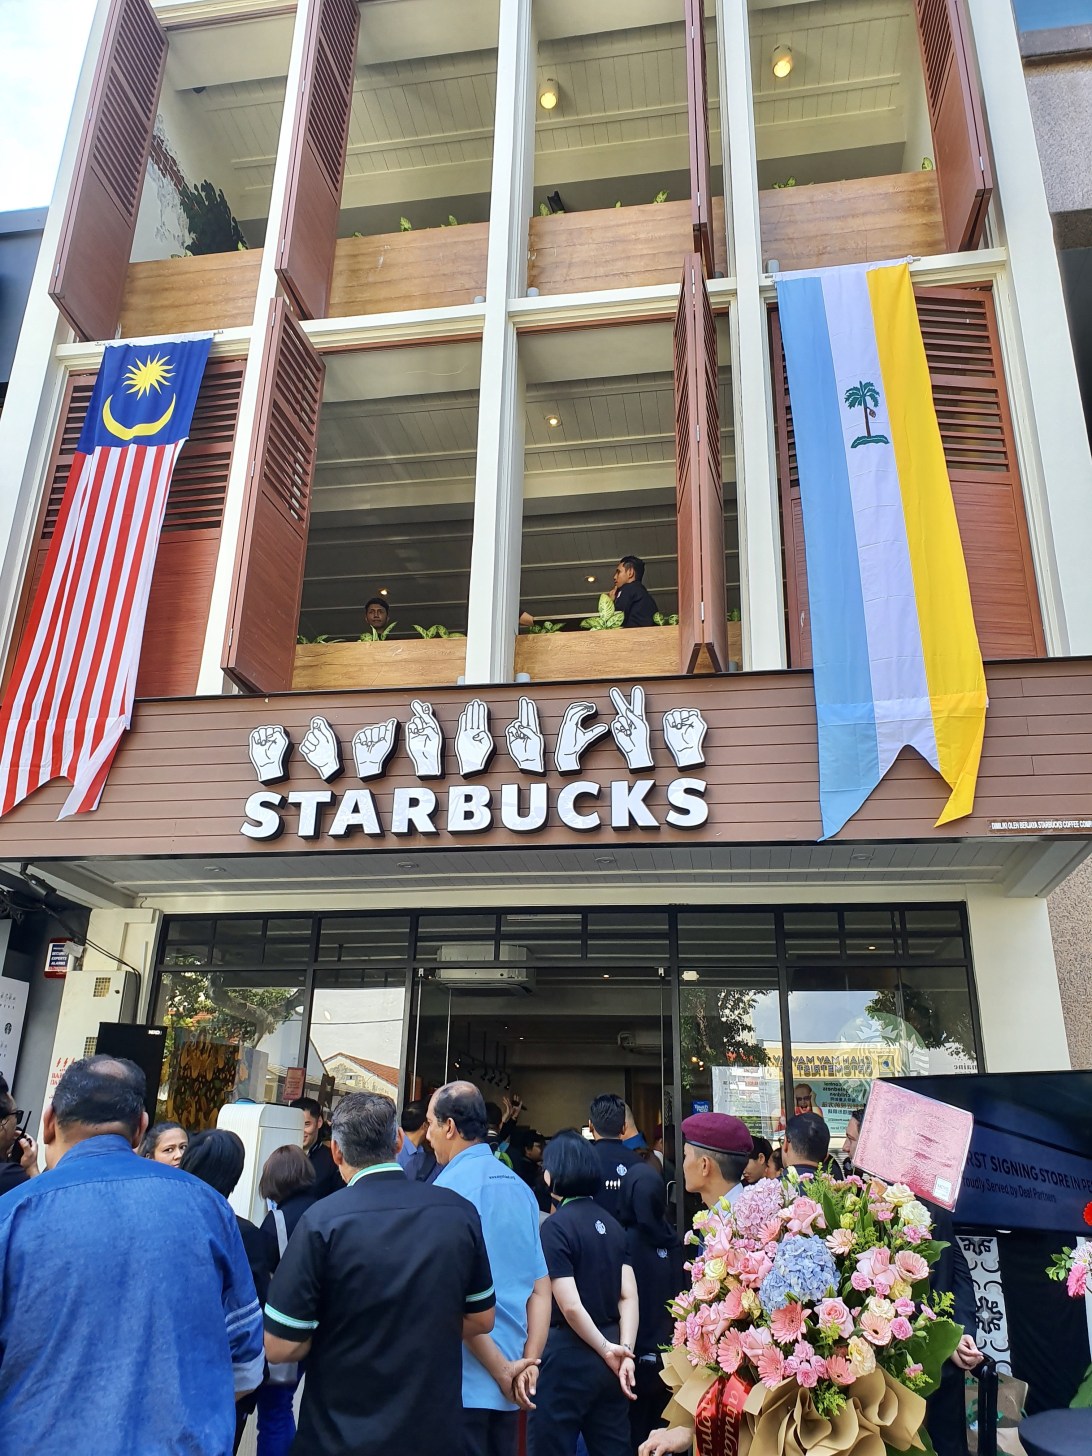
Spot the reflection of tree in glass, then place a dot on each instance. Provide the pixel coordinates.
(942, 1019)
(718, 1028)
(202, 1003)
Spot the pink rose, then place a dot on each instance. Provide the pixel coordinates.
(911, 1266)
(901, 1329)
(771, 1366)
(787, 1324)
(803, 1213)
(876, 1330)
(807, 1376)
(834, 1315)
(905, 1307)
(754, 1340)
(860, 1281)
(838, 1370)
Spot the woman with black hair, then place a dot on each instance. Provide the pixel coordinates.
(164, 1142)
(217, 1158)
(288, 1186)
(587, 1372)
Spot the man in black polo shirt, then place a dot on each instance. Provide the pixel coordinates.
(631, 597)
(621, 1169)
(381, 1284)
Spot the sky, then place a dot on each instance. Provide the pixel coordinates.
(41, 50)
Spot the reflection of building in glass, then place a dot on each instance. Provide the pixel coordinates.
(354, 1074)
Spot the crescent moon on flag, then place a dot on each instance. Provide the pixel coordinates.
(131, 432)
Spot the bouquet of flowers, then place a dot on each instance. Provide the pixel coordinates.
(810, 1326)
(1074, 1265)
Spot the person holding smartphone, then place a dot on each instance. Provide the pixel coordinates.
(18, 1151)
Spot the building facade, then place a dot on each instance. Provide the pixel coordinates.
(462, 264)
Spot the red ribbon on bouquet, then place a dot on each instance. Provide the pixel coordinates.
(717, 1418)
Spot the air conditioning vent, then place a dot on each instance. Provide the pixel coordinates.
(469, 967)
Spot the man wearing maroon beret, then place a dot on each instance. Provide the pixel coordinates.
(716, 1149)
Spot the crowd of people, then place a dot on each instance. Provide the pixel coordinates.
(407, 1273)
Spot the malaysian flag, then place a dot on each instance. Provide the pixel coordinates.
(70, 698)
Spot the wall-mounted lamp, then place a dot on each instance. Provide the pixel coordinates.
(547, 94)
(782, 62)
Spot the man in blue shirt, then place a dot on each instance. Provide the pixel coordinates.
(502, 1366)
(129, 1320)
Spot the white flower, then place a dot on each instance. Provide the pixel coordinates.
(898, 1194)
(915, 1214)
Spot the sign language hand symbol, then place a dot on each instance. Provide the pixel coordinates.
(573, 737)
(425, 741)
(321, 749)
(474, 745)
(268, 752)
(372, 746)
(526, 744)
(684, 733)
(630, 728)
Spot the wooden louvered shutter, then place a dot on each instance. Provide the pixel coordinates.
(697, 92)
(963, 350)
(703, 613)
(185, 564)
(961, 155)
(268, 585)
(101, 215)
(320, 135)
(959, 327)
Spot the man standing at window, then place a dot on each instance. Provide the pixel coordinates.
(457, 1125)
(129, 1319)
(381, 1284)
(631, 597)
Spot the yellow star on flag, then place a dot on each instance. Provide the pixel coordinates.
(148, 374)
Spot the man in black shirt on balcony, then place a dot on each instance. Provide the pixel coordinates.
(631, 597)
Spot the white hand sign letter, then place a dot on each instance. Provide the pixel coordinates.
(269, 752)
(684, 733)
(526, 744)
(630, 728)
(474, 745)
(573, 738)
(321, 749)
(372, 747)
(425, 741)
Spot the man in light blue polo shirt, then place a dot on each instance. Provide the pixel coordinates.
(498, 1369)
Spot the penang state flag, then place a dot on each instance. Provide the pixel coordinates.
(70, 697)
(894, 646)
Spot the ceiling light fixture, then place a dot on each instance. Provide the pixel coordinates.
(547, 94)
(782, 62)
(382, 591)
(553, 421)
(407, 864)
(591, 579)
(215, 870)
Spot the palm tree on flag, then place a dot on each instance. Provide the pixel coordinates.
(865, 396)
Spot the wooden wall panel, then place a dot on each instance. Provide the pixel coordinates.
(392, 272)
(188, 295)
(183, 774)
(622, 247)
(866, 220)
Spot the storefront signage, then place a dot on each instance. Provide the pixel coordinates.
(522, 805)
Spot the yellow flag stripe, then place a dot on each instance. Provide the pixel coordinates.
(953, 659)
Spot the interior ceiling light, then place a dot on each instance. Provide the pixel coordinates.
(547, 94)
(591, 578)
(382, 591)
(553, 421)
(782, 62)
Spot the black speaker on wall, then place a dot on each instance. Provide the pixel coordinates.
(144, 1045)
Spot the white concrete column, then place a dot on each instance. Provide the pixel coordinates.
(762, 590)
(211, 681)
(1019, 1003)
(493, 608)
(1060, 504)
(124, 940)
(37, 381)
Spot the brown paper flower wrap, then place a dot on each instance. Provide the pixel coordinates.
(880, 1415)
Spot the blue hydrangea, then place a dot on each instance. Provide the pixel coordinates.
(802, 1267)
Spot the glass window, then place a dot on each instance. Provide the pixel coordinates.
(238, 943)
(539, 939)
(288, 942)
(731, 1046)
(355, 1043)
(812, 935)
(713, 938)
(628, 935)
(459, 938)
(935, 933)
(230, 1035)
(872, 932)
(355, 938)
